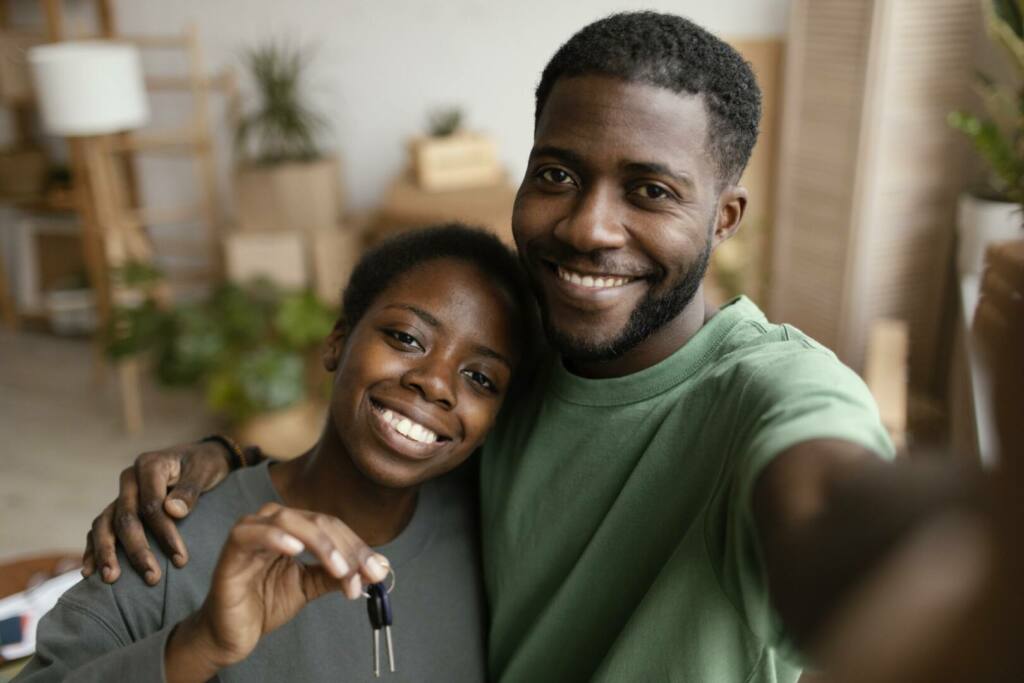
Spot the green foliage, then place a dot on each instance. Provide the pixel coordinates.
(444, 121)
(282, 128)
(245, 345)
(998, 136)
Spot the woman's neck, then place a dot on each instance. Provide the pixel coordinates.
(325, 480)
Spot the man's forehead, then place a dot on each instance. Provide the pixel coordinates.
(597, 115)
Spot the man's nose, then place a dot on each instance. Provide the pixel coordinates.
(595, 223)
(434, 381)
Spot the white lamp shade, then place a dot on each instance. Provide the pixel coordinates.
(89, 88)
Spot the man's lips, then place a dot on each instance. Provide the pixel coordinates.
(591, 288)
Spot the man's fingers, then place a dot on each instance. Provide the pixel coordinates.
(154, 473)
(129, 530)
(88, 563)
(104, 545)
(203, 466)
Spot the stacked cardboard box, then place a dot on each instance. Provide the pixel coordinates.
(459, 161)
(406, 206)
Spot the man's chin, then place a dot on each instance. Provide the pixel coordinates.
(577, 348)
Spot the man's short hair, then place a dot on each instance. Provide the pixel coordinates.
(671, 52)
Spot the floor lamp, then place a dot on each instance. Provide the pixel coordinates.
(87, 92)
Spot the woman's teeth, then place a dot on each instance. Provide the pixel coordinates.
(600, 282)
(408, 428)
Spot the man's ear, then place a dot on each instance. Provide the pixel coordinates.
(732, 203)
(334, 347)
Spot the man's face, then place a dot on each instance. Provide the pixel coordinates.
(617, 216)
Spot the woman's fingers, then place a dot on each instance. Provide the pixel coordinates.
(342, 554)
(129, 530)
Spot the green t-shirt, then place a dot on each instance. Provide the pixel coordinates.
(619, 542)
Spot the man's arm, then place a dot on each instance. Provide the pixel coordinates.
(827, 511)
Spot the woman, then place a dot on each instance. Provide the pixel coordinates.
(433, 326)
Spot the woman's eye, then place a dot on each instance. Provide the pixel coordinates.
(651, 191)
(555, 175)
(481, 379)
(404, 338)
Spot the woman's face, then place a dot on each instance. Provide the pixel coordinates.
(420, 379)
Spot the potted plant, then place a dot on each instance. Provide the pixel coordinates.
(451, 158)
(283, 179)
(253, 350)
(993, 213)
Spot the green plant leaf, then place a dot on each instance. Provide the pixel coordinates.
(302, 321)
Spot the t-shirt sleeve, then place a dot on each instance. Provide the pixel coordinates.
(81, 640)
(799, 396)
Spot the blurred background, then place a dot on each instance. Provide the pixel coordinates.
(183, 196)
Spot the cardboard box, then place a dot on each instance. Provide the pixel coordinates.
(407, 206)
(292, 196)
(335, 254)
(455, 162)
(277, 256)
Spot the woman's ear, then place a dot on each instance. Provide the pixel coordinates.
(334, 346)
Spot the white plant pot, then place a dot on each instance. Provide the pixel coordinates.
(71, 311)
(980, 222)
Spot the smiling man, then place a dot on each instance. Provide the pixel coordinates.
(683, 481)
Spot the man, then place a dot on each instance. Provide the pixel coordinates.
(670, 494)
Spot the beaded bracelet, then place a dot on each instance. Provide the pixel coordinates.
(236, 458)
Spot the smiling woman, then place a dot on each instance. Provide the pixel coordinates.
(434, 326)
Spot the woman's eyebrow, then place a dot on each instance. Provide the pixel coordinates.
(419, 313)
(491, 353)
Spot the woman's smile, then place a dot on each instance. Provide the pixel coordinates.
(403, 434)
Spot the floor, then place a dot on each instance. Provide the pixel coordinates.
(62, 444)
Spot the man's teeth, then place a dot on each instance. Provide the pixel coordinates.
(408, 428)
(601, 282)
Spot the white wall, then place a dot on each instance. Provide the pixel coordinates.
(381, 65)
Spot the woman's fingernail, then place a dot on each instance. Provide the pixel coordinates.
(375, 568)
(353, 587)
(338, 564)
(177, 507)
(292, 544)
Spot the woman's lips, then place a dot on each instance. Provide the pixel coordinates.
(403, 434)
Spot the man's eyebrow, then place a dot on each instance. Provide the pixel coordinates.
(561, 153)
(418, 312)
(656, 168)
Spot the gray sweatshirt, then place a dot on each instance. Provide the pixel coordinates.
(106, 633)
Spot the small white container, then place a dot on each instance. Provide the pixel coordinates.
(981, 222)
(71, 311)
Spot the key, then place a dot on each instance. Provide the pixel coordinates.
(378, 607)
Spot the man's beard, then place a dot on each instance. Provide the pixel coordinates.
(650, 315)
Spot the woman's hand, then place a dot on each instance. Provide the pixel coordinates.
(161, 487)
(258, 586)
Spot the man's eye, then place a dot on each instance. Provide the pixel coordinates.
(651, 191)
(481, 379)
(555, 175)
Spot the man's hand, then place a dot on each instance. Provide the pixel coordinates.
(161, 487)
(258, 586)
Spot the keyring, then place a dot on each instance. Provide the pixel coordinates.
(391, 573)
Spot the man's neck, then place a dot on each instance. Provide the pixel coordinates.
(325, 480)
(656, 348)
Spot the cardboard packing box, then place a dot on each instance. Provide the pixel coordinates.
(455, 162)
(406, 206)
(292, 196)
(277, 256)
(335, 254)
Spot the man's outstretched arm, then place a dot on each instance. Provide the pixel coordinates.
(828, 511)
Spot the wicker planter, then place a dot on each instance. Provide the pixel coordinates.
(286, 433)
